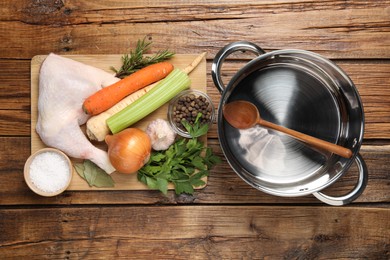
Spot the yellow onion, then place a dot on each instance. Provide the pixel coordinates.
(129, 150)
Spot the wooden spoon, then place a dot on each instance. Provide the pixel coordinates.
(243, 114)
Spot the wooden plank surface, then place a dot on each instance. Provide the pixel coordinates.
(223, 187)
(357, 29)
(227, 219)
(370, 77)
(104, 62)
(206, 232)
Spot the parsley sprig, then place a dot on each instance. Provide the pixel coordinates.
(197, 129)
(184, 164)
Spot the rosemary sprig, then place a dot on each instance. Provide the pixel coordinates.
(136, 60)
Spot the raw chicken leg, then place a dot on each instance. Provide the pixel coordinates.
(63, 86)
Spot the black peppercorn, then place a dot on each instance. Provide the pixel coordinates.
(188, 107)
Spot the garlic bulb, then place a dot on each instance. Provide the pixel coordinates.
(161, 134)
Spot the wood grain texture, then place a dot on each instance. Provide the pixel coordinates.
(370, 77)
(15, 84)
(216, 232)
(15, 122)
(223, 187)
(332, 28)
(228, 219)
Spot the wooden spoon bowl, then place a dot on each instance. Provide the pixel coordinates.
(243, 114)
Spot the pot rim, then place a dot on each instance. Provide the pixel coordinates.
(244, 72)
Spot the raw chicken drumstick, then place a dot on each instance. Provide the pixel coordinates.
(64, 84)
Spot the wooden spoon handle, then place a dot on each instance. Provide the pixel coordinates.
(334, 148)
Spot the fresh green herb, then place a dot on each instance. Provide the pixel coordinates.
(197, 129)
(184, 164)
(94, 176)
(136, 60)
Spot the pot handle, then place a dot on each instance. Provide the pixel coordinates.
(226, 51)
(355, 193)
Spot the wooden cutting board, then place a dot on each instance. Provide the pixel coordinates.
(122, 181)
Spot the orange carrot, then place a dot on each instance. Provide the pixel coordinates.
(110, 95)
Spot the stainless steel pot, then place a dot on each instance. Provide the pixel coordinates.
(303, 91)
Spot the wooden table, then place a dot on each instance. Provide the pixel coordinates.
(227, 219)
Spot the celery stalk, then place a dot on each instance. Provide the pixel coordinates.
(163, 92)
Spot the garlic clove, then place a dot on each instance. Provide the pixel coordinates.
(161, 134)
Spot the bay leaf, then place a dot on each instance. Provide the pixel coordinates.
(90, 172)
(94, 175)
(79, 167)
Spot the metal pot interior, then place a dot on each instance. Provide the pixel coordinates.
(301, 91)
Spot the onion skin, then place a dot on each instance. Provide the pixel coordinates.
(129, 150)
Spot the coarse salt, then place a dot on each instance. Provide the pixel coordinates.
(49, 172)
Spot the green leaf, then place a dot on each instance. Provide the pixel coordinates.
(153, 170)
(103, 180)
(197, 182)
(93, 175)
(90, 172)
(198, 163)
(210, 159)
(183, 164)
(179, 176)
(162, 185)
(164, 175)
(141, 177)
(152, 183)
(202, 130)
(79, 167)
(183, 187)
(180, 149)
(185, 169)
(192, 144)
(199, 175)
(196, 179)
(157, 157)
(197, 129)
(166, 167)
(187, 126)
(170, 153)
